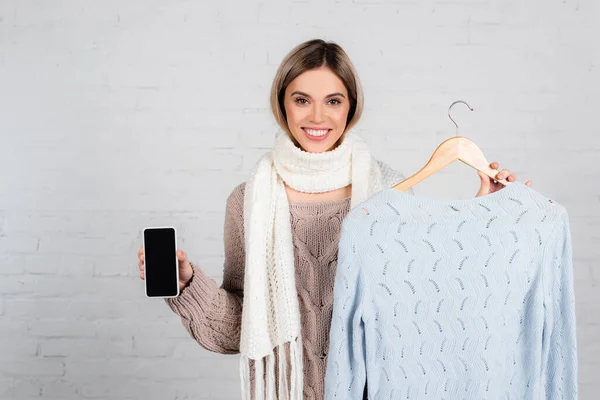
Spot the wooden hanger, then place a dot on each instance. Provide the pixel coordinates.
(453, 149)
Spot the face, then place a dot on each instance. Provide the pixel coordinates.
(317, 105)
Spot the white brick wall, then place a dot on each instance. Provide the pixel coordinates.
(119, 115)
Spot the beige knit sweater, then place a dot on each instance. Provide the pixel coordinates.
(212, 314)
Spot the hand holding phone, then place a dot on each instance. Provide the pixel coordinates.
(165, 269)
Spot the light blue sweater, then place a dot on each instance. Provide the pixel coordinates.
(454, 299)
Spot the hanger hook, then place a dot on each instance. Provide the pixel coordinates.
(450, 116)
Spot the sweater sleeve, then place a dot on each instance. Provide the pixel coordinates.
(345, 375)
(211, 314)
(559, 334)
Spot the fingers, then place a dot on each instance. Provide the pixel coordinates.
(141, 262)
(528, 183)
(506, 174)
(502, 174)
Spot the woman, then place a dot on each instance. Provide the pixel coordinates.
(282, 230)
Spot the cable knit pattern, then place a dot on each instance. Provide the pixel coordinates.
(212, 315)
(317, 228)
(456, 299)
(271, 313)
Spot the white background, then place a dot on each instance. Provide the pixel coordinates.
(116, 115)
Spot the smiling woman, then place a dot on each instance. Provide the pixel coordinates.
(316, 96)
(282, 228)
(317, 116)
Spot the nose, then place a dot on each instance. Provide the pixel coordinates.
(318, 114)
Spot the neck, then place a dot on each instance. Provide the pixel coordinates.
(296, 197)
(313, 172)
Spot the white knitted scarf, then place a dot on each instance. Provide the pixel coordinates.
(270, 314)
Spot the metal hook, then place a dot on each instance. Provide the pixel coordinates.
(451, 105)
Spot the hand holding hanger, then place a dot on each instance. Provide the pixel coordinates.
(460, 148)
(489, 185)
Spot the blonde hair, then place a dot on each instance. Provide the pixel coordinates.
(309, 55)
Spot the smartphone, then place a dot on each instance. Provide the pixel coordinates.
(161, 268)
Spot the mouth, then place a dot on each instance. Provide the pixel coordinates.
(317, 134)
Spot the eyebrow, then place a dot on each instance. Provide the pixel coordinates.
(307, 95)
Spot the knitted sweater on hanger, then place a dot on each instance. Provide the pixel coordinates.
(456, 299)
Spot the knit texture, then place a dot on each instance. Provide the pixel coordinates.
(271, 313)
(454, 299)
(212, 314)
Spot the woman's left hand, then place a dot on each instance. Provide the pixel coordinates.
(489, 185)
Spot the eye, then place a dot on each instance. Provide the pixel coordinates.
(335, 101)
(301, 100)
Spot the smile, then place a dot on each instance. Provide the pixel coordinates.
(316, 134)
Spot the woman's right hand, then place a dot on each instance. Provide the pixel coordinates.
(185, 268)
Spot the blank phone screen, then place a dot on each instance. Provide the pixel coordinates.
(160, 262)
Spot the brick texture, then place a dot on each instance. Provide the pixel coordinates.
(119, 115)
